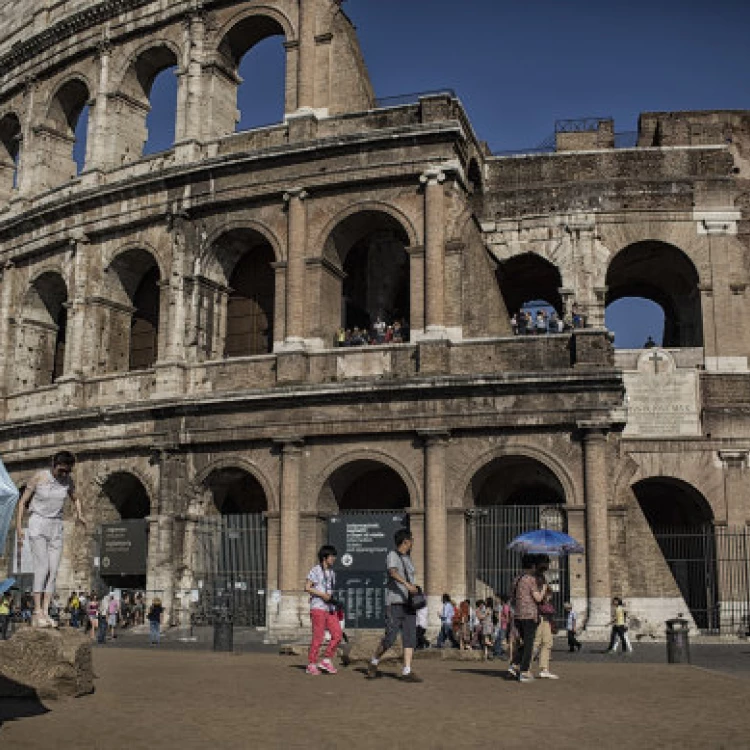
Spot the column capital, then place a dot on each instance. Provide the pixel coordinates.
(734, 459)
(289, 445)
(593, 429)
(432, 176)
(434, 436)
(295, 192)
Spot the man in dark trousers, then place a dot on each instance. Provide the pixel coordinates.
(571, 626)
(401, 618)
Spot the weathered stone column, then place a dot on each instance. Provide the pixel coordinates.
(99, 148)
(295, 272)
(78, 361)
(285, 619)
(436, 517)
(736, 488)
(189, 125)
(6, 313)
(306, 57)
(597, 525)
(434, 230)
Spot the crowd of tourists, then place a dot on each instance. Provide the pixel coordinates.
(541, 322)
(379, 332)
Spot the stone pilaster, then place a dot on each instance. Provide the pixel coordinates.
(189, 125)
(6, 313)
(436, 516)
(434, 260)
(306, 57)
(77, 358)
(295, 271)
(597, 526)
(736, 487)
(99, 148)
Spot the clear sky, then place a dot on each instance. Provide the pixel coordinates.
(519, 66)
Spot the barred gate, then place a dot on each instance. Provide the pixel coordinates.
(711, 566)
(230, 569)
(491, 568)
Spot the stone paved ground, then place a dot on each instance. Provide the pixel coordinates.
(179, 699)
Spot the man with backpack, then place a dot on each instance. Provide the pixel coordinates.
(401, 616)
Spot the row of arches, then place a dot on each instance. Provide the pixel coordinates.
(652, 290)
(234, 299)
(143, 101)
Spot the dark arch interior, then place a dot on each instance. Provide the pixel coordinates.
(528, 277)
(46, 304)
(367, 485)
(10, 134)
(250, 307)
(516, 480)
(67, 105)
(661, 273)
(236, 492)
(668, 502)
(144, 331)
(128, 496)
(370, 247)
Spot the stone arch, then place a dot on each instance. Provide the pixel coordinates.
(209, 264)
(236, 37)
(692, 508)
(41, 331)
(322, 494)
(529, 277)
(231, 487)
(134, 314)
(128, 493)
(237, 463)
(135, 102)
(56, 143)
(543, 458)
(10, 152)
(369, 268)
(663, 273)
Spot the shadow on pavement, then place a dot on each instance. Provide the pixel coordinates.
(12, 708)
(498, 674)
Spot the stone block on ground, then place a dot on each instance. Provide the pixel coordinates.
(46, 663)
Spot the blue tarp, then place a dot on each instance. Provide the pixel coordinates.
(8, 500)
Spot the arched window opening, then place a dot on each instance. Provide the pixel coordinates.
(530, 285)
(681, 521)
(253, 54)
(236, 492)
(65, 138)
(250, 307)
(127, 498)
(41, 333)
(664, 275)
(636, 322)
(133, 335)
(148, 105)
(370, 248)
(261, 95)
(364, 485)
(10, 150)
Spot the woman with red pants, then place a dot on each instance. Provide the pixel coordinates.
(320, 584)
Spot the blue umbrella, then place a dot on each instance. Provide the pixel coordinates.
(6, 584)
(546, 542)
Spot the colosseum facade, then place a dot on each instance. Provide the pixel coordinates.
(173, 319)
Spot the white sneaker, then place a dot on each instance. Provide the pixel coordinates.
(546, 675)
(512, 671)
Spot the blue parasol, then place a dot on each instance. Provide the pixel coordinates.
(6, 585)
(8, 500)
(546, 542)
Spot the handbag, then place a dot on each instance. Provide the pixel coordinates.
(416, 601)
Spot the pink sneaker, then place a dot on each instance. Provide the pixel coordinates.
(312, 669)
(327, 666)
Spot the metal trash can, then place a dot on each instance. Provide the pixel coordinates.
(678, 641)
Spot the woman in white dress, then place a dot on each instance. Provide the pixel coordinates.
(45, 494)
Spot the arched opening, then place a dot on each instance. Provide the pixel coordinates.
(364, 485)
(41, 333)
(10, 151)
(370, 249)
(63, 143)
(253, 56)
(248, 259)
(664, 275)
(122, 512)
(512, 495)
(635, 320)
(682, 523)
(232, 547)
(134, 315)
(530, 286)
(148, 105)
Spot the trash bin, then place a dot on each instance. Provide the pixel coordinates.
(678, 642)
(223, 633)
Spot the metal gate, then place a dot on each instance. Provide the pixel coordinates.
(491, 568)
(230, 569)
(711, 567)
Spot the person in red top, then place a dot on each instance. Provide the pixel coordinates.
(527, 595)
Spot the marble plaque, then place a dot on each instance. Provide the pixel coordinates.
(662, 400)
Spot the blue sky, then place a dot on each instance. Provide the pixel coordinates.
(519, 66)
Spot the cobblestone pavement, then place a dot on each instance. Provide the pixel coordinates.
(178, 699)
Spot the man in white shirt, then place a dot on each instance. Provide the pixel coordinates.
(447, 612)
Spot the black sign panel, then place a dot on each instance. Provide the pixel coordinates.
(363, 542)
(124, 548)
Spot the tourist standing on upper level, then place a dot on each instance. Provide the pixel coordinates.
(45, 495)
